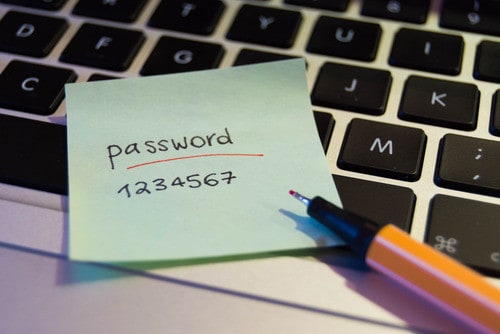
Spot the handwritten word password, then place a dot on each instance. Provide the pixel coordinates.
(164, 145)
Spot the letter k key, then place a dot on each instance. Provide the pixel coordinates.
(438, 99)
(439, 102)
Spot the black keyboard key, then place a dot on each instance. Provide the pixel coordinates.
(439, 102)
(100, 77)
(469, 164)
(414, 11)
(196, 16)
(369, 199)
(471, 15)
(44, 4)
(37, 89)
(427, 51)
(383, 149)
(466, 230)
(486, 64)
(495, 114)
(265, 25)
(121, 11)
(352, 88)
(345, 38)
(103, 47)
(324, 124)
(33, 154)
(336, 5)
(30, 35)
(173, 55)
(248, 56)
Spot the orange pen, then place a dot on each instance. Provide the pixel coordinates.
(440, 279)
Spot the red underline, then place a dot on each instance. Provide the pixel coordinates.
(197, 156)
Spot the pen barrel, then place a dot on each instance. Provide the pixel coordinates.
(356, 231)
(437, 277)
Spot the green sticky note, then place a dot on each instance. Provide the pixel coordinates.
(194, 165)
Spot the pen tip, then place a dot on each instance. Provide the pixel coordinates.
(298, 196)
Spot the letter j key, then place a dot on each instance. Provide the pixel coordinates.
(352, 88)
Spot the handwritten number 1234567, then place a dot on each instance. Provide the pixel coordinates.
(190, 181)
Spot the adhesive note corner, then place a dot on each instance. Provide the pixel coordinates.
(193, 165)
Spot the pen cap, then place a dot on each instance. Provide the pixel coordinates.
(356, 231)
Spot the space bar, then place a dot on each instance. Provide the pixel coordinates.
(33, 154)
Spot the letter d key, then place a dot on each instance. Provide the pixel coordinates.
(30, 35)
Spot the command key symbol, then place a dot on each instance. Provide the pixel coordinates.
(447, 245)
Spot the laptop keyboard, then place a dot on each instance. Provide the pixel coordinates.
(405, 94)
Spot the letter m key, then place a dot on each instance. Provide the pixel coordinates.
(377, 144)
(382, 149)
